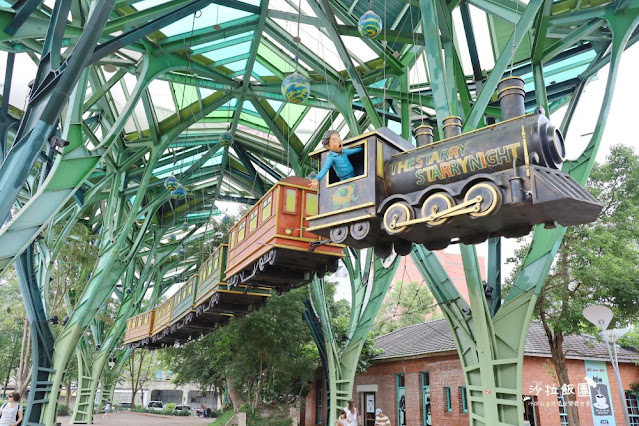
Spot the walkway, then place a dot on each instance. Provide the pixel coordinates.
(141, 419)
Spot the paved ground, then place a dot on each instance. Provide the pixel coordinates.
(141, 419)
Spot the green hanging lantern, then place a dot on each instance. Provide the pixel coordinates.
(226, 139)
(370, 24)
(171, 183)
(179, 193)
(296, 88)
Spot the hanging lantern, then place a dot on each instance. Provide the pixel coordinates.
(172, 238)
(370, 24)
(180, 250)
(226, 219)
(171, 183)
(179, 193)
(128, 291)
(296, 88)
(226, 139)
(185, 226)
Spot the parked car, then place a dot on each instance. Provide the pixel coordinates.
(155, 406)
(124, 406)
(183, 408)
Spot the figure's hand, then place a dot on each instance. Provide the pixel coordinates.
(314, 184)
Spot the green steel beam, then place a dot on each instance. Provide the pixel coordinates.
(521, 30)
(323, 10)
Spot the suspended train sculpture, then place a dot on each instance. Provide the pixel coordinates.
(500, 180)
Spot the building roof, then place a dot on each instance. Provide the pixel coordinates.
(433, 337)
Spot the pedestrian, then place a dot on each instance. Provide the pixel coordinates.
(107, 408)
(381, 419)
(351, 413)
(342, 420)
(11, 412)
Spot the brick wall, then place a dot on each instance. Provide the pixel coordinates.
(445, 371)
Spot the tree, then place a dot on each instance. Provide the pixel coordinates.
(406, 304)
(15, 339)
(140, 369)
(597, 263)
(266, 356)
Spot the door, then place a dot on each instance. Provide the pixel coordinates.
(369, 408)
(428, 419)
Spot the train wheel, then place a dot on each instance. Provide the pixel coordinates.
(397, 213)
(383, 250)
(338, 234)
(402, 247)
(490, 198)
(360, 230)
(437, 203)
(333, 264)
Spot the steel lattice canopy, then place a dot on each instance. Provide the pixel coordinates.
(223, 62)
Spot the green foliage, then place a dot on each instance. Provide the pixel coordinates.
(170, 406)
(408, 303)
(224, 417)
(272, 343)
(63, 410)
(598, 263)
(12, 317)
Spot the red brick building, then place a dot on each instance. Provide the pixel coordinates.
(419, 372)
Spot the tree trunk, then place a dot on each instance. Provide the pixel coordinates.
(259, 382)
(235, 396)
(67, 396)
(556, 342)
(133, 393)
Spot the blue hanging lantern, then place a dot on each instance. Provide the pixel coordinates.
(226, 139)
(180, 250)
(296, 88)
(172, 238)
(370, 24)
(226, 219)
(179, 193)
(185, 226)
(128, 291)
(171, 183)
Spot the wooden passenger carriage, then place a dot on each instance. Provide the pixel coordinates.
(215, 301)
(270, 245)
(138, 328)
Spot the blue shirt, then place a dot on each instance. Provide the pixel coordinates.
(340, 163)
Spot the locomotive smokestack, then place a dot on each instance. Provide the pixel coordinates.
(424, 135)
(511, 97)
(452, 126)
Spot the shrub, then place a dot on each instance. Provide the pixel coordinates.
(170, 406)
(62, 410)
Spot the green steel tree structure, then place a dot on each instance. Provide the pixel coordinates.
(104, 99)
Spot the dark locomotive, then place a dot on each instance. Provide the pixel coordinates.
(500, 180)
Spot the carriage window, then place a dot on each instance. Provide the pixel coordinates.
(267, 208)
(231, 239)
(290, 201)
(146, 319)
(190, 289)
(253, 220)
(216, 262)
(311, 204)
(240, 231)
(358, 161)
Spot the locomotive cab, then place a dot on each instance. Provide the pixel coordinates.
(348, 208)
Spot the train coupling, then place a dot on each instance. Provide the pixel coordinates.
(315, 244)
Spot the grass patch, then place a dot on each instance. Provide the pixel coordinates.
(224, 417)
